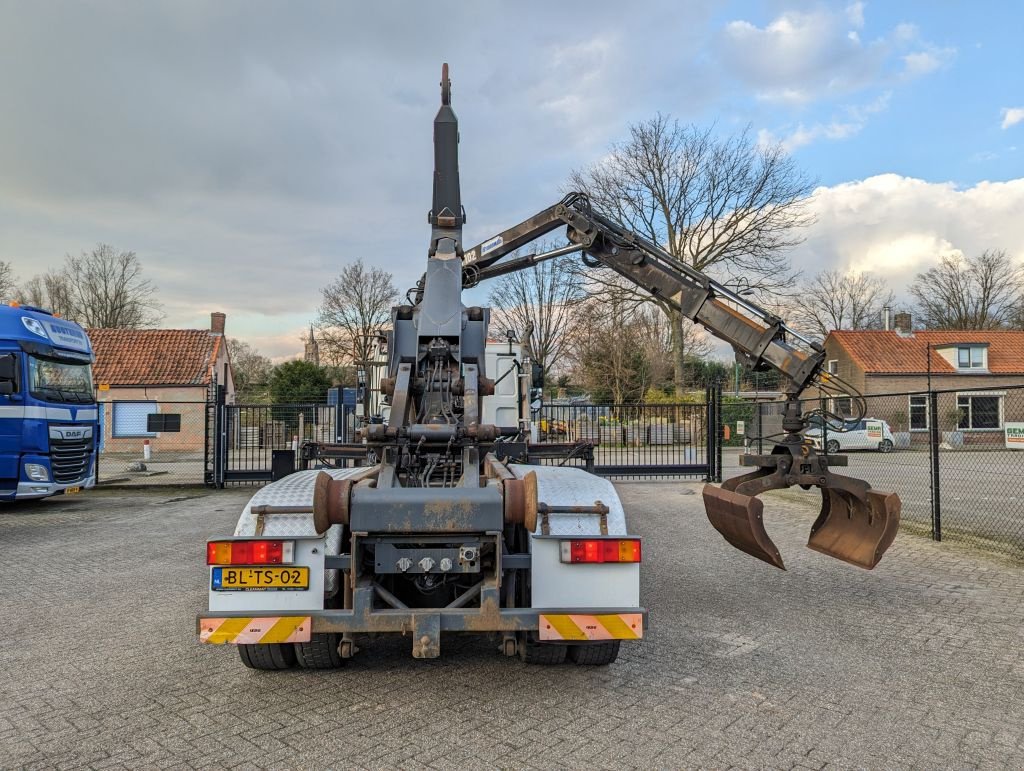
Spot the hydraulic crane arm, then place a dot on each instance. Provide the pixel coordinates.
(856, 524)
(760, 338)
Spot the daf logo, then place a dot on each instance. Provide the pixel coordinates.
(70, 432)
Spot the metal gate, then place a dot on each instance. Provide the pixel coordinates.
(642, 440)
(620, 440)
(245, 441)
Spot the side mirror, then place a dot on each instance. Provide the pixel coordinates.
(6, 387)
(8, 367)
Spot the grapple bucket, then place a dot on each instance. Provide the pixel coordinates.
(853, 529)
(856, 524)
(739, 518)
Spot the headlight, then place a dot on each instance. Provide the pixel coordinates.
(37, 472)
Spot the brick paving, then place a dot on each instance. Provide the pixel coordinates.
(919, 662)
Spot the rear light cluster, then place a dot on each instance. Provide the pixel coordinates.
(250, 552)
(601, 550)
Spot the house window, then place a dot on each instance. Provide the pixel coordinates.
(979, 411)
(918, 412)
(833, 366)
(130, 418)
(970, 357)
(842, 406)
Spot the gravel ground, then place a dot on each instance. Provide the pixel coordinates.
(919, 662)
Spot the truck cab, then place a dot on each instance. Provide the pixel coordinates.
(48, 413)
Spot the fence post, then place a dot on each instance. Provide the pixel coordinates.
(933, 457)
(220, 444)
(719, 433)
(709, 433)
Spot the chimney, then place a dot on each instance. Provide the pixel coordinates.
(217, 320)
(886, 318)
(903, 324)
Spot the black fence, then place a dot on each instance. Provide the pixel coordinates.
(955, 457)
(638, 440)
(256, 442)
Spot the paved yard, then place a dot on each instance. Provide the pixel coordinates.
(918, 662)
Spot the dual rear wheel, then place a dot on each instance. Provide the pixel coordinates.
(321, 652)
(598, 654)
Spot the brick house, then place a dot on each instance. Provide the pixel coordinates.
(153, 384)
(981, 373)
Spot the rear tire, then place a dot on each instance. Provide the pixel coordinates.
(832, 447)
(532, 651)
(321, 652)
(267, 656)
(885, 446)
(595, 655)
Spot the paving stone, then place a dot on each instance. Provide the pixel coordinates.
(918, 662)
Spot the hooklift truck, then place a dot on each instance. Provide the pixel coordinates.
(438, 532)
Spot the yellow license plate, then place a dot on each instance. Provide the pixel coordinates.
(72, 490)
(259, 579)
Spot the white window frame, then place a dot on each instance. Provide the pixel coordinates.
(982, 361)
(910, 412)
(834, 409)
(998, 395)
(833, 366)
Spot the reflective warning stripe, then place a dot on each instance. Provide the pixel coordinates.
(249, 631)
(577, 626)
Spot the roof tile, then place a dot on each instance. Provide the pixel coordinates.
(886, 352)
(136, 357)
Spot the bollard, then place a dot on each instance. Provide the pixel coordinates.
(147, 450)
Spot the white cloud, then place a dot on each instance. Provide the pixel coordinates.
(1012, 116)
(899, 226)
(924, 62)
(801, 57)
(850, 123)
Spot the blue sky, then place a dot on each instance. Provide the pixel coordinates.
(247, 150)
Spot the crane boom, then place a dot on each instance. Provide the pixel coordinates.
(760, 339)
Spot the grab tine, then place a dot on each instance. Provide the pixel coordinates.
(739, 518)
(854, 529)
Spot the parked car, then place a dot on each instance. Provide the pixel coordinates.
(866, 434)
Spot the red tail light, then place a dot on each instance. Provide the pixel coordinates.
(601, 550)
(250, 552)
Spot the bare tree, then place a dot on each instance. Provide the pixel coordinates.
(610, 350)
(729, 206)
(539, 304)
(251, 370)
(50, 290)
(833, 300)
(984, 292)
(102, 288)
(8, 281)
(354, 307)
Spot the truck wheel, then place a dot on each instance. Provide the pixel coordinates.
(532, 651)
(595, 655)
(321, 652)
(267, 656)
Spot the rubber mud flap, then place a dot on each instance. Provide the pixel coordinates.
(855, 530)
(739, 518)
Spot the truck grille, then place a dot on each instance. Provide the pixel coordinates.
(69, 459)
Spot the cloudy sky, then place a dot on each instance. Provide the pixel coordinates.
(247, 150)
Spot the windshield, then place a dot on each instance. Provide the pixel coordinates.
(60, 381)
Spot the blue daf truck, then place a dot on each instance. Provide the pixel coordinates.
(48, 413)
